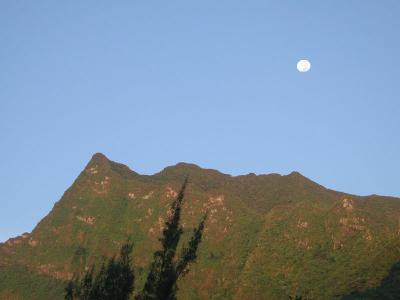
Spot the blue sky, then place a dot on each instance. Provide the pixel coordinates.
(153, 83)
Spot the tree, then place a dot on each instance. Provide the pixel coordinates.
(161, 283)
(114, 281)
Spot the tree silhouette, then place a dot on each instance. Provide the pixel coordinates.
(161, 283)
(114, 281)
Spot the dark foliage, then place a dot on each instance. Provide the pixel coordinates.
(161, 283)
(389, 289)
(114, 281)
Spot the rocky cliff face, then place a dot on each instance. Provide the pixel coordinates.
(267, 236)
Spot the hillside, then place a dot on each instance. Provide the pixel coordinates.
(267, 236)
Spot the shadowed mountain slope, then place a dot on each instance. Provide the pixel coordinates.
(267, 236)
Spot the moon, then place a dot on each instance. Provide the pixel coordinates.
(303, 65)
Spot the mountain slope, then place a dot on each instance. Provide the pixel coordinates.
(267, 236)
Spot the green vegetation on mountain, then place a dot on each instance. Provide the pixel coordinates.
(389, 288)
(19, 283)
(266, 236)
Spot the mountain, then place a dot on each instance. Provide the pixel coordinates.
(267, 236)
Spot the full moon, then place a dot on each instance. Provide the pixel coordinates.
(303, 65)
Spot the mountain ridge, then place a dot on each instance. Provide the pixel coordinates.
(268, 236)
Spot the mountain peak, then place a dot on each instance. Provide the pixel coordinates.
(99, 158)
(98, 161)
(185, 165)
(188, 169)
(100, 164)
(295, 174)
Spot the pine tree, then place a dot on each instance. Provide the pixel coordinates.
(114, 281)
(161, 283)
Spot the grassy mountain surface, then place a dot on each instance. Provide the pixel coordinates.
(267, 236)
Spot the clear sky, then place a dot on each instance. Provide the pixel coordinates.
(153, 83)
